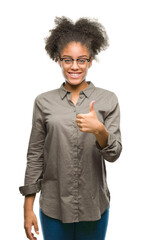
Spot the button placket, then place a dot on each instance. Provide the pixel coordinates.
(76, 168)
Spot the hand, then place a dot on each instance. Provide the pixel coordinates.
(88, 122)
(29, 220)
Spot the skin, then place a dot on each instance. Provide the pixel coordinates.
(75, 50)
(86, 122)
(30, 218)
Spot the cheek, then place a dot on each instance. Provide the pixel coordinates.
(64, 70)
(85, 71)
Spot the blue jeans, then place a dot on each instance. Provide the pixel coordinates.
(54, 229)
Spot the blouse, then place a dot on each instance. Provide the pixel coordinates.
(67, 166)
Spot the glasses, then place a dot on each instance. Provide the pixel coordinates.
(80, 61)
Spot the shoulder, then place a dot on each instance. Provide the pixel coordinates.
(46, 95)
(44, 98)
(106, 94)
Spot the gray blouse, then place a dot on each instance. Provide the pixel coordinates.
(65, 164)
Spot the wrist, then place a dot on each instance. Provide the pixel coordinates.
(99, 129)
(102, 135)
(28, 207)
(29, 201)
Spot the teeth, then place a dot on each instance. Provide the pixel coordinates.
(74, 74)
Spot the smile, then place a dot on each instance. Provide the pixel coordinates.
(75, 75)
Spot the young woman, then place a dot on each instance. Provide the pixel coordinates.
(75, 128)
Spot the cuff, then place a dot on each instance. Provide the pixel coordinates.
(111, 140)
(30, 189)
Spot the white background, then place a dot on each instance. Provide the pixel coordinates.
(26, 71)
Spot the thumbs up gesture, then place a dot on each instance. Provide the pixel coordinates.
(89, 122)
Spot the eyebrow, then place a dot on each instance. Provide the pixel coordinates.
(78, 57)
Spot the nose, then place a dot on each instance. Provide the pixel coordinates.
(74, 65)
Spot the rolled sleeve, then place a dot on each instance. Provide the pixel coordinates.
(112, 150)
(30, 189)
(35, 156)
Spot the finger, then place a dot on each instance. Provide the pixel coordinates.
(29, 234)
(79, 125)
(91, 106)
(78, 120)
(31, 237)
(79, 115)
(36, 228)
(34, 237)
(81, 129)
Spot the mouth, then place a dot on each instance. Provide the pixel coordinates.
(75, 75)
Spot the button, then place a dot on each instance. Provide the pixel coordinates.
(76, 175)
(93, 197)
(81, 94)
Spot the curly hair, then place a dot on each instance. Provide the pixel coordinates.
(88, 32)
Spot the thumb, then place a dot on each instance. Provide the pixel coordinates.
(36, 227)
(92, 106)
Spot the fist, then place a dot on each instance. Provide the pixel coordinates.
(88, 122)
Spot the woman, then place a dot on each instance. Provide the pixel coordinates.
(75, 128)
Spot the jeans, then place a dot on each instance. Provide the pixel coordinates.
(54, 229)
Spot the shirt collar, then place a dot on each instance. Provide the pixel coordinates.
(87, 91)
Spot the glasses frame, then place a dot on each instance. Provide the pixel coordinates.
(88, 59)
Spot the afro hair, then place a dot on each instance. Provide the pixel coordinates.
(88, 32)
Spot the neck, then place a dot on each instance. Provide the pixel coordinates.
(76, 88)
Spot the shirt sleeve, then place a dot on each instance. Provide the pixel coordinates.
(34, 167)
(112, 150)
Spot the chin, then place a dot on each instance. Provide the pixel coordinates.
(75, 81)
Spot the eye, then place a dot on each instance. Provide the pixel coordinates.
(81, 60)
(67, 60)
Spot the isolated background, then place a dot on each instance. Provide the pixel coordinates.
(27, 71)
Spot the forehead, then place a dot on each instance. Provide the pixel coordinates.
(75, 49)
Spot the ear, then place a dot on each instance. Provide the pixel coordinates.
(90, 63)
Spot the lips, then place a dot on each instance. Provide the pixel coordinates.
(75, 74)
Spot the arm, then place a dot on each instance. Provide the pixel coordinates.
(102, 136)
(30, 218)
(34, 167)
(109, 136)
(28, 202)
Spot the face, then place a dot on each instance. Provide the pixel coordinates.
(75, 73)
